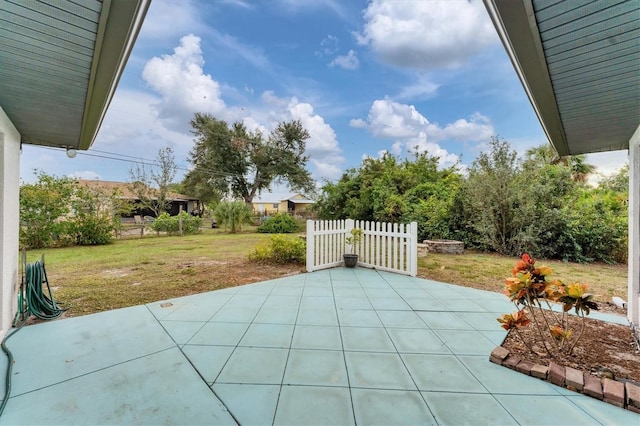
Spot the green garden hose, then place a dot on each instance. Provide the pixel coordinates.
(32, 300)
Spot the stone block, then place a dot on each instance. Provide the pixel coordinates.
(633, 395)
(498, 355)
(574, 379)
(524, 367)
(613, 392)
(556, 374)
(593, 386)
(539, 371)
(511, 362)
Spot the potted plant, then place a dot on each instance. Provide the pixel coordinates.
(350, 258)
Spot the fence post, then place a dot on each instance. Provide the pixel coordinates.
(310, 245)
(414, 249)
(348, 226)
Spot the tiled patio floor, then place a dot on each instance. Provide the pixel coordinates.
(342, 346)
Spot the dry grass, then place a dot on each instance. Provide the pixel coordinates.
(487, 271)
(136, 271)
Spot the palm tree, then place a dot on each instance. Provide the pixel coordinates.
(580, 170)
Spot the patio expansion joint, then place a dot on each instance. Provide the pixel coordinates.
(14, 395)
(344, 356)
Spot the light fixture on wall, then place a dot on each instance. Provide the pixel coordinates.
(71, 153)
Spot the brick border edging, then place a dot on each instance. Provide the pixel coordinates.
(622, 394)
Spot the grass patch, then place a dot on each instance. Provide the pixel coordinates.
(143, 270)
(487, 271)
(137, 271)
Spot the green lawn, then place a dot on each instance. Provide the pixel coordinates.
(142, 270)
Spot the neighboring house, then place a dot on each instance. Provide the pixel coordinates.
(297, 205)
(123, 191)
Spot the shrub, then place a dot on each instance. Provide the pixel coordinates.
(528, 289)
(280, 249)
(171, 224)
(93, 230)
(280, 223)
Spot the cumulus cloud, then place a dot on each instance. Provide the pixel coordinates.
(349, 61)
(412, 131)
(182, 85)
(322, 145)
(426, 34)
(394, 120)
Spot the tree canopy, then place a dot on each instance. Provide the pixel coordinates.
(538, 204)
(231, 160)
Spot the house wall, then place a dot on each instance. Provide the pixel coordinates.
(633, 300)
(9, 219)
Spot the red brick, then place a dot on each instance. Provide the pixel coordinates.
(539, 371)
(524, 367)
(556, 374)
(498, 355)
(511, 362)
(634, 409)
(633, 395)
(574, 378)
(593, 386)
(613, 392)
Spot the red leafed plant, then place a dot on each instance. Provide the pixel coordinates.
(532, 294)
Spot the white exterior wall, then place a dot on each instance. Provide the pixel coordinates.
(9, 219)
(633, 298)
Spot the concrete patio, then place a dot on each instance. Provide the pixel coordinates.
(340, 346)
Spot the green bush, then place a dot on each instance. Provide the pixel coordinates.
(93, 230)
(280, 223)
(171, 224)
(281, 250)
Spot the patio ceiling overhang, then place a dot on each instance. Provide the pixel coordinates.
(60, 65)
(579, 63)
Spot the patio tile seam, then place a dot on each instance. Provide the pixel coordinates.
(404, 364)
(13, 395)
(344, 357)
(286, 363)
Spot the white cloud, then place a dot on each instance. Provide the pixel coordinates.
(422, 88)
(426, 34)
(412, 131)
(182, 85)
(357, 123)
(394, 120)
(349, 61)
(328, 46)
(169, 19)
(322, 146)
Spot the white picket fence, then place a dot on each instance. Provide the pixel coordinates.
(385, 246)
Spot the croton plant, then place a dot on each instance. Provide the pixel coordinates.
(533, 294)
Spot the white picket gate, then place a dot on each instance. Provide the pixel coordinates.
(385, 246)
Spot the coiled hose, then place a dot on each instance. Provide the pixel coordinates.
(32, 300)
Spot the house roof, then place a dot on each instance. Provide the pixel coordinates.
(295, 198)
(61, 62)
(125, 191)
(579, 63)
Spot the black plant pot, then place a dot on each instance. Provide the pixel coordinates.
(350, 260)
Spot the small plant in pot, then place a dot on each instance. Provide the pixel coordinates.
(351, 258)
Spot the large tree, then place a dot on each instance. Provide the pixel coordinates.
(234, 161)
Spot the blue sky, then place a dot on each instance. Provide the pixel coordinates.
(364, 77)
